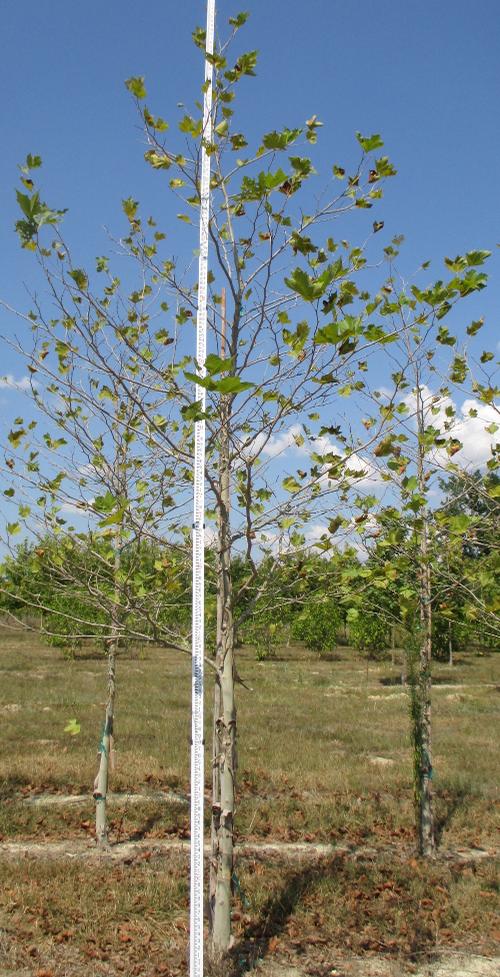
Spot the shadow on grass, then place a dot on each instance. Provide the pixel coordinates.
(99, 655)
(380, 905)
(396, 680)
(449, 800)
(255, 943)
(143, 830)
(10, 786)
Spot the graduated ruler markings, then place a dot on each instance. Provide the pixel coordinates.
(198, 636)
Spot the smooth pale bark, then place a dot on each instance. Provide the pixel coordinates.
(224, 728)
(106, 761)
(215, 820)
(106, 754)
(223, 854)
(422, 712)
(450, 645)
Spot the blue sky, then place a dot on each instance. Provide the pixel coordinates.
(426, 75)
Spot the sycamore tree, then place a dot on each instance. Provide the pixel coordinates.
(93, 484)
(425, 439)
(294, 326)
(289, 340)
(470, 604)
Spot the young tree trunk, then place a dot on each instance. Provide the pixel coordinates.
(422, 711)
(106, 762)
(223, 821)
(106, 754)
(393, 645)
(216, 752)
(224, 734)
(450, 645)
(404, 667)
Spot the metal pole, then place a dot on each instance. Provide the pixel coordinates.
(198, 638)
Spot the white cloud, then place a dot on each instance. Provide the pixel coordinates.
(356, 463)
(279, 443)
(369, 474)
(77, 508)
(274, 445)
(471, 431)
(468, 426)
(8, 382)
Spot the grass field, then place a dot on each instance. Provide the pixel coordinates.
(324, 757)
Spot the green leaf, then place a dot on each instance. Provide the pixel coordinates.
(199, 36)
(214, 364)
(411, 483)
(222, 127)
(13, 528)
(24, 202)
(335, 524)
(444, 336)
(458, 371)
(475, 258)
(114, 519)
(239, 19)
(33, 162)
(105, 503)
(159, 161)
(232, 385)
(310, 288)
(460, 523)
(160, 420)
(262, 185)
(302, 243)
(136, 86)
(290, 484)
(384, 447)
(475, 327)
(192, 127)
(73, 727)
(384, 167)
(369, 143)
(129, 207)
(339, 332)
(159, 124)
(15, 437)
(238, 141)
(37, 214)
(280, 140)
(302, 166)
(194, 412)
(245, 64)
(80, 278)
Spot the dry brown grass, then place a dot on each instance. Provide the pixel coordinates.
(131, 919)
(314, 736)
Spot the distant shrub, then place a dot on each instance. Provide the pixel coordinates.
(444, 631)
(317, 626)
(369, 633)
